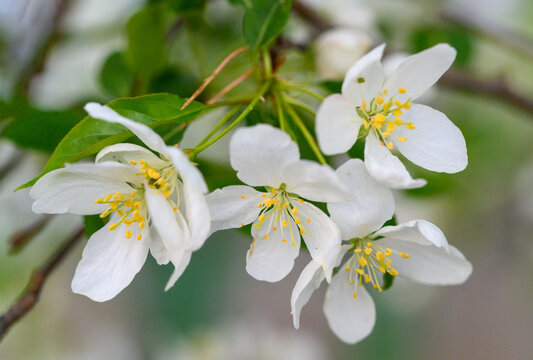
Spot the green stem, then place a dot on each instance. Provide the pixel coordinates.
(267, 63)
(221, 123)
(304, 90)
(281, 116)
(246, 111)
(307, 135)
(300, 105)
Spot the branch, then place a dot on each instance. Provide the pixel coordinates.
(10, 165)
(497, 89)
(311, 16)
(20, 239)
(30, 296)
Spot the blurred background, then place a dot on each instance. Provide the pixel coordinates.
(55, 55)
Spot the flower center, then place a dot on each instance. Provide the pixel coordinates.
(129, 207)
(278, 209)
(367, 258)
(384, 116)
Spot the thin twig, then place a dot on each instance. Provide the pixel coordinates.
(30, 295)
(497, 89)
(10, 165)
(311, 16)
(213, 75)
(231, 85)
(20, 239)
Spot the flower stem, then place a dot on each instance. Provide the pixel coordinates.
(267, 63)
(300, 105)
(281, 115)
(246, 111)
(221, 123)
(307, 135)
(303, 90)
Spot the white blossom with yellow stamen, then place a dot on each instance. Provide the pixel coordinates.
(417, 250)
(155, 202)
(264, 156)
(383, 108)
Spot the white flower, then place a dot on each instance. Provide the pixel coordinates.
(417, 250)
(383, 106)
(154, 202)
(337, 49)
(265, 156)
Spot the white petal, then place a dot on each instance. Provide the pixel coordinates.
(365, 78)
(125, 153)
(387, 168)
(435, 143)
(143, 132)
(421, 232)
(429, 264)
(169, 224)
(373, 205)
(188, 172)
(178, 270)
(309, 280)
(229, 210)
(321, 235)
(420, 71)
(337, 124)
(157, 248)
(350, 319)
(197, 215)
(109, 262)
(74, 189)
(272, 259)
(260, 152)
(315, 182)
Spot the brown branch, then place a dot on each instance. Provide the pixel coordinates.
(30, 296)
(311, 16)
(213, 75)
(231, 85)
(10, 165)
(497, 89)
(20, 239)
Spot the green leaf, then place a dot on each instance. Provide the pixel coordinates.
(187, 5)
(265, 20)
(35, 129)
(146, 53)
(93, 223)
(116, 78)
(90, 135)
(388, 280)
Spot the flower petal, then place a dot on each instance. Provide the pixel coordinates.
(271, 259)
(309, 280)
(143, 132)
(170, 225)
(421, 232)
(124, 153)
(387, 168)
(229, 209)
(420, 71)
(157, 248)
(350, 319)
(429, 264)
(321, 235)
(364, 79)
(315, 182)
(178, 270)
(188, 172)
(435, 143)
(197, 215)
(337, 124)
(260, 152)
(74, 189)
(373, 205)
(109, 262)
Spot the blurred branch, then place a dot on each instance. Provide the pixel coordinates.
(10, 165)
(498, 89)
(311, 16)
(21, 238)
(30, 296)
(484, 27)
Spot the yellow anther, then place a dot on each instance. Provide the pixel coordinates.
(380, 256)
(402, 90)
(294, 211)
(242, 224)
(112, 226)
(374, 286)
(368, 251)
(379, 100)
(398, 103)
(139, 237)
(369, 244)
(398, 121)
(175, 208)
(297, 221)
(98, 200)
(133, 162)
(167, 193)
(107, 197)
(360, 271)
(389, 262)
(261, 217)
(393, 272)
(386, 134)
(407, 106)
(120, 212)
(284, 240)
(367, 278)
(357, 251)
(128, 234)
(390, 145)
(278, 207)
(116, 195)
(391, 127)
(355, 295)
(260, 205)
(410, 126)
(274, 191)
(380, 117)
(284, 223)
(132, 194)
(385, 91)
(274, 228)
(308, 220)
(347, 268)
(363, 105)
(264, 196)
(366, 125)
(397, 112)
(104, 214)
(404, 255)
(142, 224)
(265, 237)
(285, 205)
(362, 261)
(300, 201)
(402, 139)
(351, 282)
(381, 269)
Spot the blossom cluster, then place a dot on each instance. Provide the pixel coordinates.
(157, 201)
